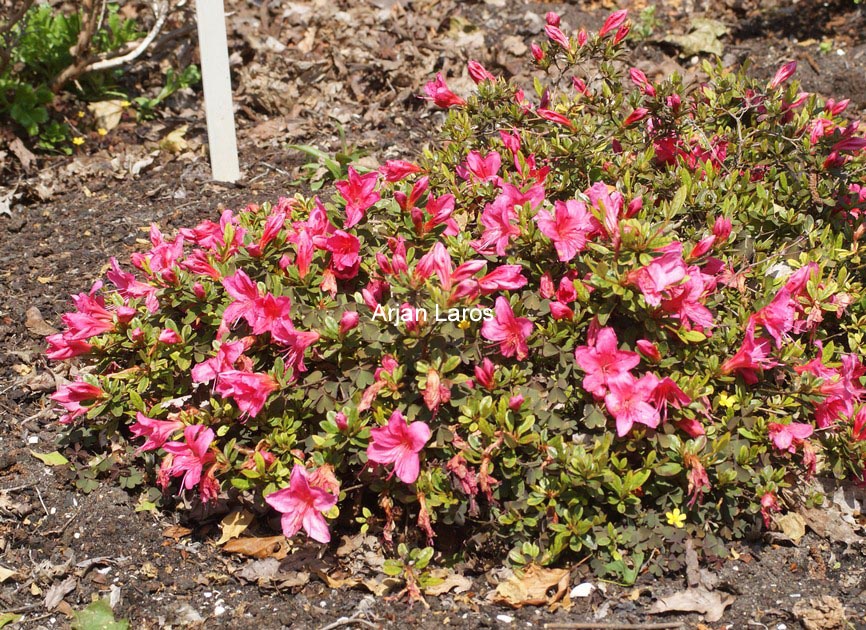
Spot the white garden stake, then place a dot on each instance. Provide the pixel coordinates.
(213, 44)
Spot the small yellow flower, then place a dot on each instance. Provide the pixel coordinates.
(102, 131)
(727, 401)
(676, 518)
(78, 141)
(125, 103)
(463, 324)
(80, 114)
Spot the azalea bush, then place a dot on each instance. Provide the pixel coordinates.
(594, 319)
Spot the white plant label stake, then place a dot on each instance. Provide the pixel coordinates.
(213, 44)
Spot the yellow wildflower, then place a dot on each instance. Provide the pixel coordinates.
(676, 518)
(78, 141)
(102, 131)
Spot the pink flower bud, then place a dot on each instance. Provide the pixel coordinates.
(547, 287)
(125, 314)
(622, 33)
(136, 334)
(168, 336)
(516, 402)
(640, 80)
(722, 229)
(557, 36)
(702, 247)
(783, 74)
(638, 114)
(649, 350)
(634, 206)
(552, 18)
(479, 73)
(537, 53)
(582, 38)
(198, 291)
(341, 421)
(580, 86)
(348, 321)
(614, 21)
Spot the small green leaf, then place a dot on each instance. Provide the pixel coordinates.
(50, 459)
(98, 616)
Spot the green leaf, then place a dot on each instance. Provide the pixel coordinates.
(98, 616)
(7, 618)
(50, 459)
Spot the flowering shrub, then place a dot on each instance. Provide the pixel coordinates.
(590, 324)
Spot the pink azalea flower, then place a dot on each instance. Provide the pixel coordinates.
(684, 300)
(668, 392)
(751, 357)
(777, 317)
(91, 317)
(199, 262)
(72, 395)
(649, 350)
(438, 261)
(552, 18)
(211, 235)
(516, 402)
(482, 169)
(224, 360)
(399, 443)
(537, 52)
(628, 401)
(161, 259)
(769, 504)
(786, 437)
(510, 331)
(344, 250)
(397, 170)
(302, 505)
(722, 229)
(245, 293)
(273, 224)
(249, 390)
(503, 278)
(297, 341)
(569, 227)
(609, 204)
(128, 287)
(192, 455)
(604, 363)
(479, 73)
(499, 220)
(438, 92)
(359, 193)
(61, 347)
(157, 432)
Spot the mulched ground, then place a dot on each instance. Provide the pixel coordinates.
(313, 73)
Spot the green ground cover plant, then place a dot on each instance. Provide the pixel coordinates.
(594, 319)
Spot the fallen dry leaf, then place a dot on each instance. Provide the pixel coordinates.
(22, 153)
(107, 113)
(712, 604)
(176, 531)
(58, 591)
(267, 547)
(531, 588)
(793, 526)
(36, 325)
(234, 524)
(704, 38)
(5, 573)
(333, 582)
(267, 571)
(824, 613)
(175, 142)
(451, 581)
(829, 524)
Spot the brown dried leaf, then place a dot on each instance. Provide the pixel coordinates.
(828, 523)
(531, 588)
(333, 582)
(793, 526)
(22, 153)
(176, 531)
(267, 547)
(712, 604)
(36, 325)
(58, 591)
(451, 581)
(234, 524)
(824, 613)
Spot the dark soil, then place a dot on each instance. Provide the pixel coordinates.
(329, 67)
